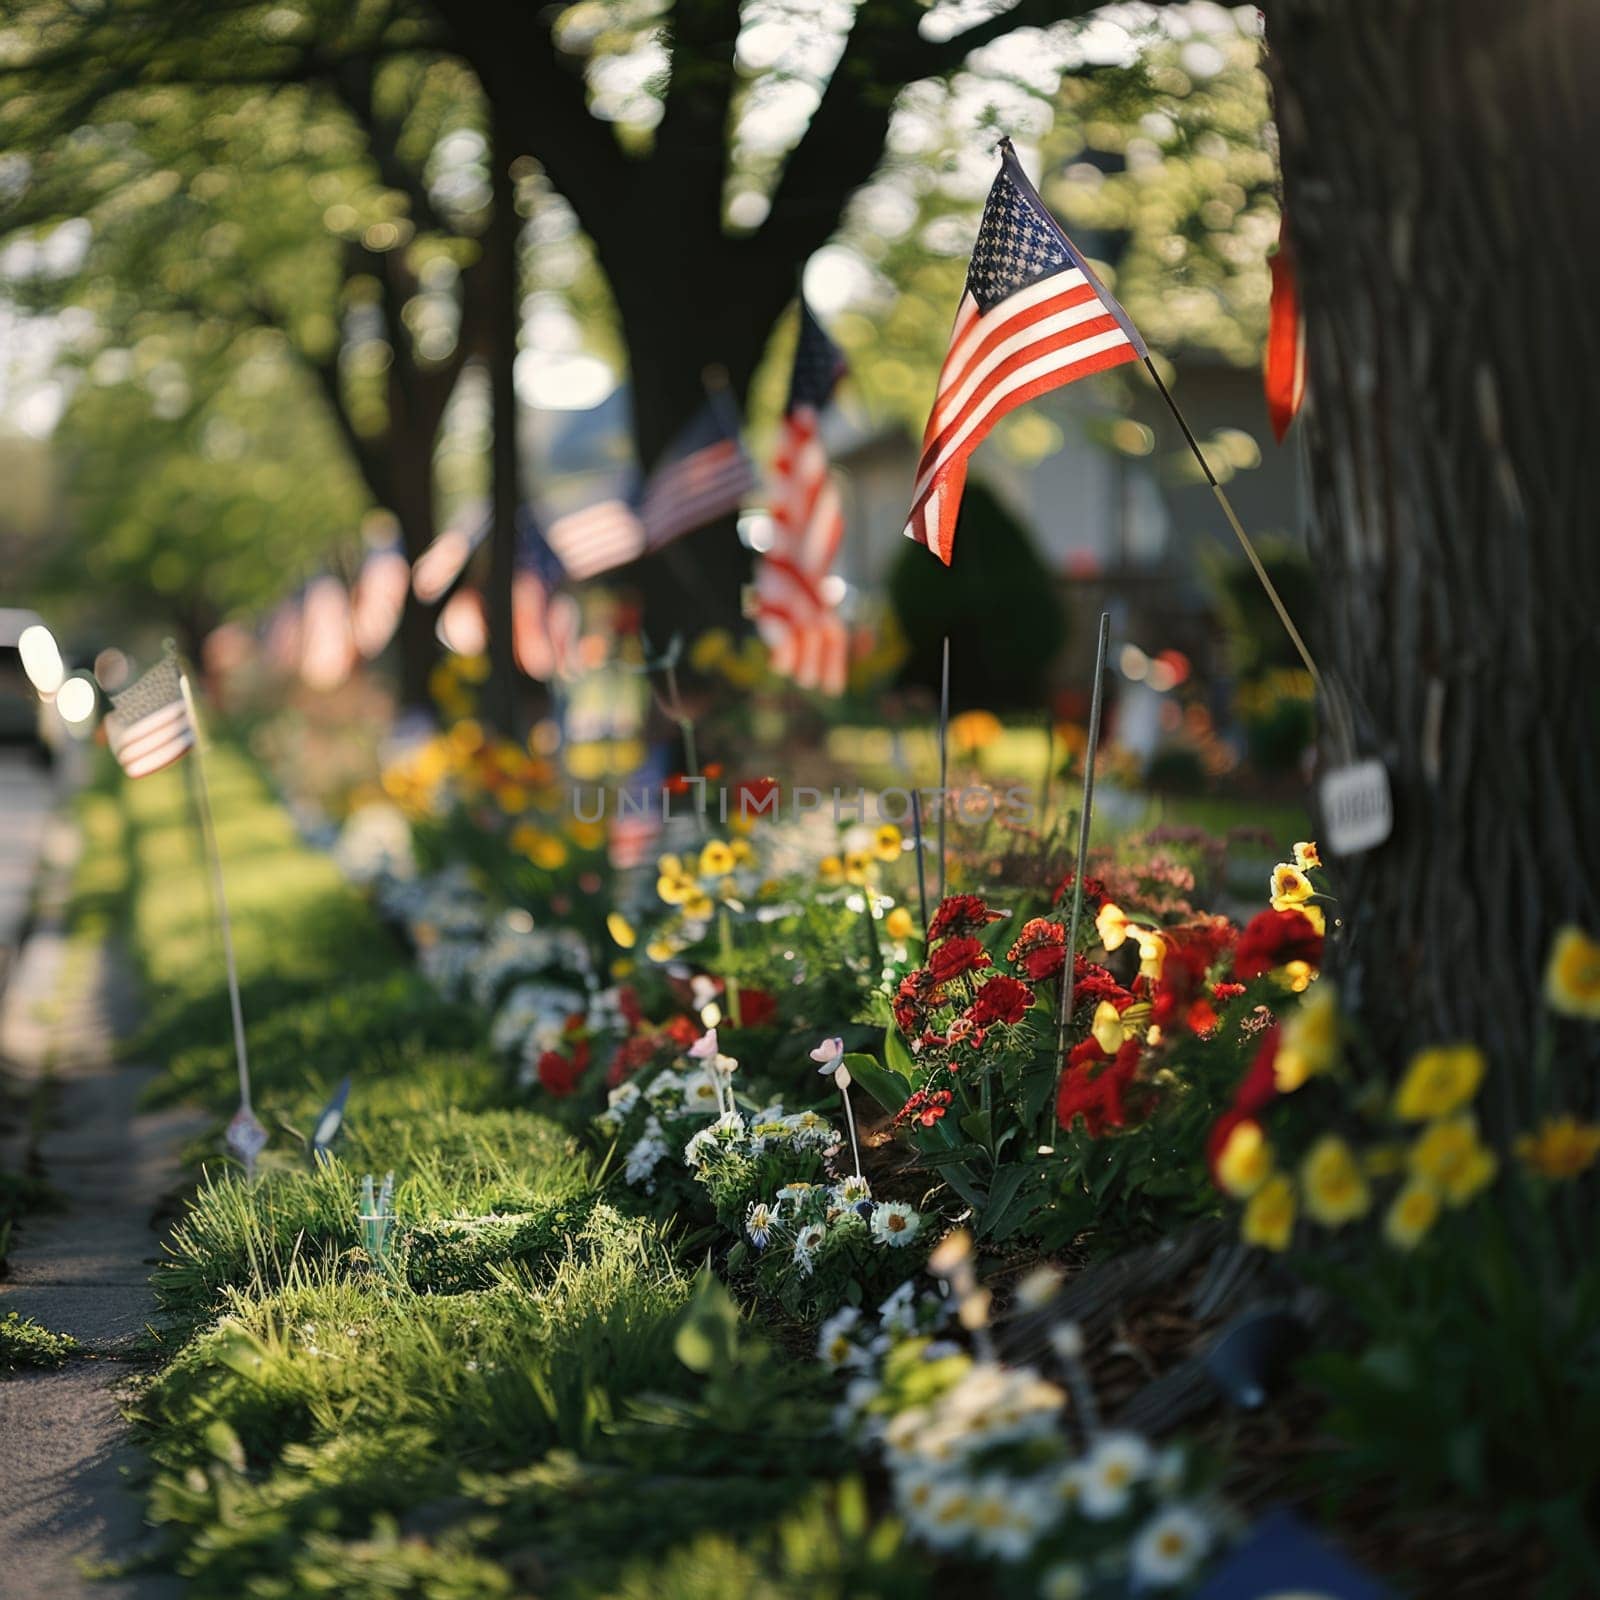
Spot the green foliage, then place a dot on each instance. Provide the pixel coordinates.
(24, 1343)
(996, 603)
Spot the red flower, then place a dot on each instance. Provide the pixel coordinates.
(1259, 1086)
(1191, 950)
(917, 995)
(1226, 991)
(756, 1008)
(1217, 1139)
(956, 956)
(959, 914)
(557, 1073)
(1094, 984)
(926, 1106)
(682, 1031)
(1095, 1089)
(1273, 939)
(1094, 891)
(630, 1055)
(753, 797)
(1001, 999)
(1039, 948)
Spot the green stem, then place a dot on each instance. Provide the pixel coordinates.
(725, 939)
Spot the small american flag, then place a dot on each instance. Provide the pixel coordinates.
(327, 641)
(544, 622)
(1033, 318)
(148, 726)
(1284, 372)
(792, 613)
(705, 474)
(379, 597)
(438, 570)
(583, 544)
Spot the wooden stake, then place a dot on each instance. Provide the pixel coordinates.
(944, 756)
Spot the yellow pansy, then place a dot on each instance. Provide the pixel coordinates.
(1245, 1161)
(1310, 1040)
(1411, 1214)
(1305, 855)
(898, 924)
(1439, 1081)
(830, 869)
(1562, 1147)
(549, 852)
(1297, 976)
(698, 906)
(1269, 1217)
(1152, 952)
(1572, 978)
(676, 888)
(661, 949)
(1308, 909)
(857, 865)
(621, 968)
(588, 835)
(1383, 1160)
(886, 842)
(1450, 1157)
(716, 859)
(1335, 1190)
(1290, 886)
(743, 852)
(621, 930)
(1107, 1028)
(1111, 926)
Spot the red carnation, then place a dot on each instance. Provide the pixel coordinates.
(956, 956)
(1273, 939)
(1094, 1090)
(1226, 991)
(1094, 984)
(1259, 1086)
(756, 1008)
(1039, 948)
(926, 1106)
(558, 1074)
(1094, 891)
(1001, 999)
(960, 913)
(682, 1031)
(917, 995)
(630, 1055)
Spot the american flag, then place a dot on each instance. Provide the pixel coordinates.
(437, 571)
(1032, 319)
(705, 474)
(148, 726)
(792, 613)
(379, 597)
(327, 642)
(585, 543)
(1284, 372)
(544, 622)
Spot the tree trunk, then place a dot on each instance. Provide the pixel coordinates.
(1436, 158)
(410, 498)
(505, 492)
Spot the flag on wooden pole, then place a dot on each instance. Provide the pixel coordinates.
(790, 604)
(1034, 317)
(1284, 374)
(149, 726)
(705, 474)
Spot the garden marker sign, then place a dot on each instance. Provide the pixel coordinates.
(1357, 807)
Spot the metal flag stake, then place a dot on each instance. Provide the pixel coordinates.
(1069, 964)
(944, 756)
(245, 1136)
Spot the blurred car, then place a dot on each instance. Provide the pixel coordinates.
(25, 717)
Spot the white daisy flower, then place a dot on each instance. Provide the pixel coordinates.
(1113, 1466)
(895, 1223)
(795, 1193)
(1066, 1580)
(806, 1244)
(834, 1344)
(727, 1129)
(758, 1224)
(852, 1191)
(1168, 1548)
(898, 1314)
(701, 1094)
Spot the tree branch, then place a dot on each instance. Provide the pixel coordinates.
(692, 140)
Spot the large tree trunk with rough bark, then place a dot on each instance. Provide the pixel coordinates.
(1438, 172)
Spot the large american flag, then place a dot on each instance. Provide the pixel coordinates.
(1032, 319)
(148, 726)
(792, 613)
(602, 536)
(705, 474)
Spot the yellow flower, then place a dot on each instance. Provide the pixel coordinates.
(711, 649)
(830, 869)
(549, 852)
(661, 949)
(1111, 925)
(670, 866)
(1310, 1040)
(1308, 909)
(1383, 1160)
(1245, 1161)
(1305, 855)
(975, 730)
(743, 852)
(523, 838)
(1107, 1028)
(1572, 979)
(1450, 1158)
(716, 860)
(621, 930)
(886, 842)
(1439, 1081)
(676, 888)
(1562, 1148)
(1290, 886)
(857, 864)
(1413, 1212)
(1297, 975)
(898, 924)
(1269, 1217)
(1335, 1190)
(698, 906)
(1152, 952)
(587, 835)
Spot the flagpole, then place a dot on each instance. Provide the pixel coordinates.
(208, 831)
(1244, 539)
(944, 756)
(1069, 965)
(922, 875)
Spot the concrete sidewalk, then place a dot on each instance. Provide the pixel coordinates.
(65, 1496)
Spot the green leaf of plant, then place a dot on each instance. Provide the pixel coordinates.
(897, 1053)
(889, 1089)
(708, 1335)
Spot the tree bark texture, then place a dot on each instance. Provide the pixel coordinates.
(1438, 160)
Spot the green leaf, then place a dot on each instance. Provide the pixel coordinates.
(979, 1127)
(708, 1335)
(897, 1054)
(889, 1089)
(1007, 1205)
